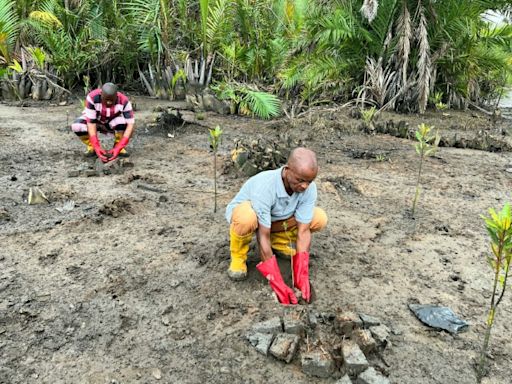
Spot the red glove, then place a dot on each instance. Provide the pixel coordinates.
(100, 152)
(300, 264)
(114, 152)
(270, 270)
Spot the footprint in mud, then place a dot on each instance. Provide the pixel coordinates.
(116, 208)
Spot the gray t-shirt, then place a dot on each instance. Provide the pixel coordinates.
(271, 202)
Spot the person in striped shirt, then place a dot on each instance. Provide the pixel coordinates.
(110, 112)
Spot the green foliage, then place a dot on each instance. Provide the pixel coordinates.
(499, 228)
(152, 21)
(38, 56)
(306, 51)
(261, 104)
(426, 146)
(16, 66)
(368, 115)
(215, 137)
(437, 100)
(8, 29)
(248, 101)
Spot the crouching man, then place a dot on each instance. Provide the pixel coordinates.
(279, 206)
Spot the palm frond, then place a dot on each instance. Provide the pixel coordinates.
(424, 65)
(216, 18)
(263, 104)
(334, 29)
(8, 27)
(404, 28)
(369, 9)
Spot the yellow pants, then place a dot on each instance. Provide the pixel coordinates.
(244, 223)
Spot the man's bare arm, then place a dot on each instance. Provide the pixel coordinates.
(263, 238)
(303, 237)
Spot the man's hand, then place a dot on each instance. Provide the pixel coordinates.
(270, 270)
(100, 152)
(300, 264)
(114, 152)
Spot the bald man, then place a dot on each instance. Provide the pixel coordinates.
(110, 112)
(279, 206)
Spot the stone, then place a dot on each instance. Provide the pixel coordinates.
(126, 163)
(73, 173)
(380, 333)
(292, 325)
(369, 321)
(353, 358)
(371, 376)
(272, 325)
(249, 169)
(313, 319)
(211, 103)
(111, 167)
(157, 374)
(284, 346)
(318, 364)
(90, 173)
(261, 341)
(345, 323)
(344, 380)
(363, 338)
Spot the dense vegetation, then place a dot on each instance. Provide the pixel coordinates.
(398, 54)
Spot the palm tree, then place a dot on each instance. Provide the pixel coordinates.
(439, 46)
(8, 29)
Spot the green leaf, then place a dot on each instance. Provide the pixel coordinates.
(264, 105)
(16, 66)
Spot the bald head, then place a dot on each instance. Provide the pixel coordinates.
(300, 170)
(303, 160)
(109, 89)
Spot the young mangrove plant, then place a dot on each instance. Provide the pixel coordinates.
(215, 140)
(500, 231)
(426, 146)
(368, 116)
(290, 244)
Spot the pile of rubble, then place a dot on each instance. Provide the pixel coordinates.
(253, 156)
(328, 345)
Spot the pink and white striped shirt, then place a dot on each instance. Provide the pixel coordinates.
(97, 112)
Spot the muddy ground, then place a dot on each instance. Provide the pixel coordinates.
(130, 286)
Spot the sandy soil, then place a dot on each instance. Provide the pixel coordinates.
(130, 286)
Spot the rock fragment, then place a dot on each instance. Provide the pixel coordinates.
(371, 376)
(381, 334)
(353, 358)
(369, 321)
(363, 338)
(285, 346)
(318, 364)
(345, 323)
(272, 325)
(261, 341)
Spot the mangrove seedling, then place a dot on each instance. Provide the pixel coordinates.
(500, 231)
(368, 116)
(290, 244)
(437, 100)
(215, 140)
(426, 146)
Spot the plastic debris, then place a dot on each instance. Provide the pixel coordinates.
(36, 196)
(438, 317)
(68, 206)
